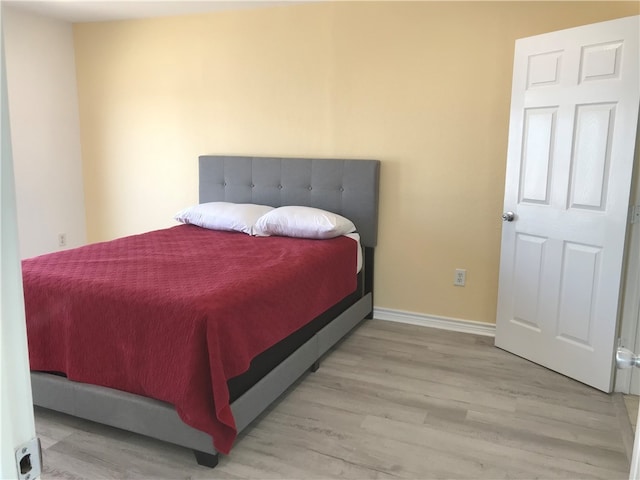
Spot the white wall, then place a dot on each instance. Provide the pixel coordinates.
(45, 131)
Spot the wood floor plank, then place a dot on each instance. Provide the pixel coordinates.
(391, 401)
(490, 451)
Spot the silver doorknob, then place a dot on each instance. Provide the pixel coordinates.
(625, 358)
(508, 216)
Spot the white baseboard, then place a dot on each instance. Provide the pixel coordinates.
(433, 321)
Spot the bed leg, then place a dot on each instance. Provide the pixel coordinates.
(368, 276)
(206, 459)
(315, 366)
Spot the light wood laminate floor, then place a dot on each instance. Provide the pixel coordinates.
(391, 401)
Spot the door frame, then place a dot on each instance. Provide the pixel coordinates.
(628, 380)
(17, 426)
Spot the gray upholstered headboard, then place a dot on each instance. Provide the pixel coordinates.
(346, 187)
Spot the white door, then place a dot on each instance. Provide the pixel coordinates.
(572, 133)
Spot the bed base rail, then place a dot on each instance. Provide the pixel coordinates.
(159, 420)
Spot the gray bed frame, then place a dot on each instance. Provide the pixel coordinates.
(346, 187)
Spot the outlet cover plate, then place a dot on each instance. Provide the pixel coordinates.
(460, 277)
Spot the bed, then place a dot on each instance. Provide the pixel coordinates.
(345, 187)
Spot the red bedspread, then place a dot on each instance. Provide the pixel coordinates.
(173, 314)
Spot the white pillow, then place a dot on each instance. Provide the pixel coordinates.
(239, 217)
(303, 222)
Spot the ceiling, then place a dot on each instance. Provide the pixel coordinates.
(76, 11)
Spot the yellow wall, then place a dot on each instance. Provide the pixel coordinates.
(422, 86)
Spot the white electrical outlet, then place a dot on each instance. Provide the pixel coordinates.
(460, 277)
(62, 239)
